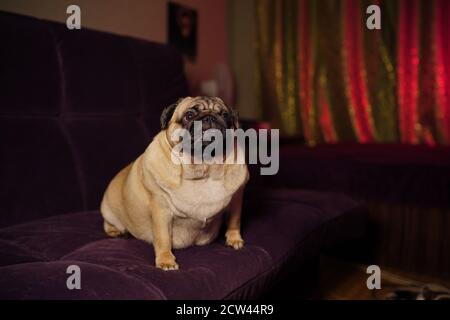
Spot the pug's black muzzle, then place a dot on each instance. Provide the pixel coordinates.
(208, 121)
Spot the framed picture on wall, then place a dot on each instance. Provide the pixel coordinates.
(182, 29)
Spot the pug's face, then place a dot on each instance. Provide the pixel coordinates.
(211, 112)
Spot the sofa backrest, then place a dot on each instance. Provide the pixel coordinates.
(75, 107)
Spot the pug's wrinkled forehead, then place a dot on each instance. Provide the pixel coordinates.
(201, 104)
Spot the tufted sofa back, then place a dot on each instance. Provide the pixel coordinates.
(75, 107)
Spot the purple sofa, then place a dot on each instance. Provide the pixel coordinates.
(77, 106)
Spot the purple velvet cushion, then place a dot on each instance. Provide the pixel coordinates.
(38, 176)
(51, 238)
(47, 280)
(276, 228)
(29, 71)
(345, 217)
(101, 77)
(104, 147)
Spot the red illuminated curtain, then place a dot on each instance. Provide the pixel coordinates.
(407, 70)
(441, 70)
(356, 84)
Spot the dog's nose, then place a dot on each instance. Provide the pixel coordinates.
(207, 119)
(208, 122)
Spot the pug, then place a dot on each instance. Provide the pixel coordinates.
(177, 204)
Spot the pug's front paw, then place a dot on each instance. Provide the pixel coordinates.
(234, 239)
(166, 261)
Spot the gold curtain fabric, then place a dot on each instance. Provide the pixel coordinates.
(276, 53)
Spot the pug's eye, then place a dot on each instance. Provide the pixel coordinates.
(188, 116)
(226, 115)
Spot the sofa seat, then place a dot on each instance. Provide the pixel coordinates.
(280, 227)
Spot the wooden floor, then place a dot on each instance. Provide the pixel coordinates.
(341, 280)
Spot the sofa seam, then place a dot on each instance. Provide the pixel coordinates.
(27, 250)
(63, 125)
(141, 112)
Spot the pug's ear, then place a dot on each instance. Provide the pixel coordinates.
(168, 113)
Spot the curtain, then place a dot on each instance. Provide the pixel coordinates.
(276, 60)
(324, 75)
